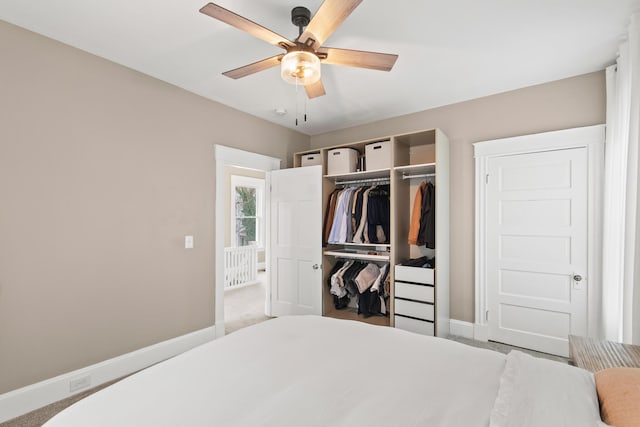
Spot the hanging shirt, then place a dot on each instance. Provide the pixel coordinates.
(354, 221)
(380, 279)
(378, 216)
(328, 218)
(340, 220)
(427, 234)
(358, 237)
(347, 233)
(337, 286)
(414, 227)
(367, 276)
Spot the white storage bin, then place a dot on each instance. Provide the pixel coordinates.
(310, 159)
(342, 160)
(377, 155)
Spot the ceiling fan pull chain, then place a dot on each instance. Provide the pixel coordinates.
(296, 101)
(305, 109)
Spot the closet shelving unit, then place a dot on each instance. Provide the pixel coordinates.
(415, 157)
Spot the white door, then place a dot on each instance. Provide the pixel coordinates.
(537, 248)
(296, 241)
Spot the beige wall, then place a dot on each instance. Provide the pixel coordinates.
(578, 101)
(103, 171)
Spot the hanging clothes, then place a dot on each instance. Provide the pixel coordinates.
(380, 279)
(339, 226)
(358, 215)
(358, 237)
(336, 287)
(362, 280)
(366, 277)
(328, 216)
(414, 227)
(378, 216)
(357, 211)
(427, 234)
(422, 226)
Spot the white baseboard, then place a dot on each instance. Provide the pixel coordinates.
(34, 396)
(220, 331)
(460, 328)
(480, 332)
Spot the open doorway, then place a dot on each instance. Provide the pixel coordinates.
(244, 250)
(231, 159)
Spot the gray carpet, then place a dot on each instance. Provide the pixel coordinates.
(245, 306)
(40, 416)
(505, 348)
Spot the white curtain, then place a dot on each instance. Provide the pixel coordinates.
(621, 214)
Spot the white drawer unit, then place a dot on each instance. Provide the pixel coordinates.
(415, 274)
(423, 293)
(413, 325)
(415, 299)
(419, 310)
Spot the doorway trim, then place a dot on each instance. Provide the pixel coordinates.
(227, 156)
(592, 138)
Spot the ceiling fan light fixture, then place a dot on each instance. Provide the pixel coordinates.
(300, 67)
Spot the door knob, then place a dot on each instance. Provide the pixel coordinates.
(315, 266)
(577, 277)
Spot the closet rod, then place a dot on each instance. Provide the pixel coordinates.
(420, 175)
(358, 256)
(364, 181)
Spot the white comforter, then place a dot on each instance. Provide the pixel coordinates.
(305, 371)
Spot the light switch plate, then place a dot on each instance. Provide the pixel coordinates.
(188, 242)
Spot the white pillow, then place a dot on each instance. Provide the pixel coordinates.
(541, 392)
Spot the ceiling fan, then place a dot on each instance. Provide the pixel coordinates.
(301, 63)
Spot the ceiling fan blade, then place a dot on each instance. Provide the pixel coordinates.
(255, 67)
(358, 58)
(328, 18)
(244, 24)
(315, 90)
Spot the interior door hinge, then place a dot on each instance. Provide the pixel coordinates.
(486, 179)
(486, 315)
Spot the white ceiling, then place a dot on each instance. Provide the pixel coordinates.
(449, 50)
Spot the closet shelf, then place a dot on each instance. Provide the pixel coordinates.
(379, 173)
(357, 255)
(363, 245)
(418, 170)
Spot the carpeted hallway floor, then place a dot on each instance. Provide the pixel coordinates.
(245, 306)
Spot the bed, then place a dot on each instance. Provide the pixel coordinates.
(318, 371)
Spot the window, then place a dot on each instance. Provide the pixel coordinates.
(247, 211)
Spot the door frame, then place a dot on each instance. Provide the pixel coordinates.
(593, 139)
(227, 156)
